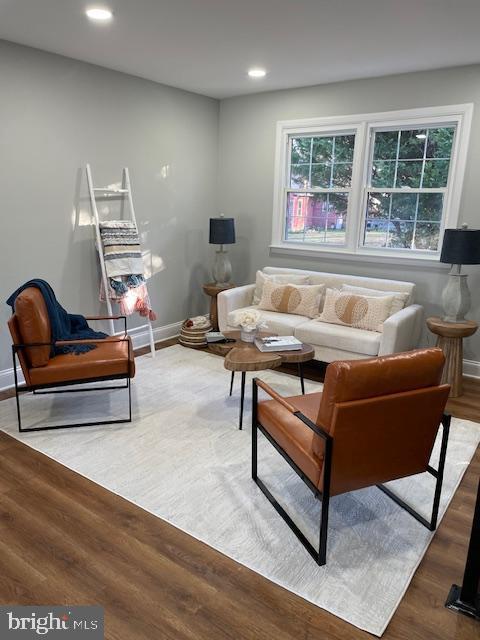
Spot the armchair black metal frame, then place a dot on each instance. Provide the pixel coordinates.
(41, 389)
(465, 598)
(320, 554)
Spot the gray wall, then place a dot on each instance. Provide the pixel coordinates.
(188, 160)
(246, 169)
(56, 115)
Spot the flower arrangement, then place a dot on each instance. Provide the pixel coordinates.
(249, 320)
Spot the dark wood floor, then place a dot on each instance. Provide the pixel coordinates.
(64, 539)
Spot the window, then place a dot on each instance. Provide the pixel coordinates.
(408, 178)
(320, 179)
(380, 184)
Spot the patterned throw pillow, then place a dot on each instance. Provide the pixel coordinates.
(353, 310)
(280, 278)
(289, 298)
(400, 298)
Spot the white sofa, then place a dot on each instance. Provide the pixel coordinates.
(401, 331)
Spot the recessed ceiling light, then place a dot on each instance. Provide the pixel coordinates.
(421, 136)
(99, 14)
(257, 73)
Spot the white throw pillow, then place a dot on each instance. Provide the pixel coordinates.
(281, 278)
(399, 297)
(291, 298)
(353, 310)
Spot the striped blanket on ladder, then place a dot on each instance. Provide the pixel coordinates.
(121, 248)
(124, 267)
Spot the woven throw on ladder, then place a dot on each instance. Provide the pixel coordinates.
(124, 268)
(121, 248)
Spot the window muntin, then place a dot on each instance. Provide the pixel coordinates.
(407, 184)
(319, 182)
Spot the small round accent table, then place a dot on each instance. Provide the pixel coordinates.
(244, 356)
(212, 289)
(450, 340)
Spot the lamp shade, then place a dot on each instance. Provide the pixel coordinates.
(461, 246)
(222, 231)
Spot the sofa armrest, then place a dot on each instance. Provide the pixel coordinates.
(232, 299)
(401, 331)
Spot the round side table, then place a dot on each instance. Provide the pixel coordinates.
(450, 340)
(212, 289)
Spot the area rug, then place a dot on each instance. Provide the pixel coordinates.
(184, 460)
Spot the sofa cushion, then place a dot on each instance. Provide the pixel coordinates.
(361, 312)
(336, 280)
(302, 300)
(280, 278)
(338, 336)
(399, 298)
(281, 323)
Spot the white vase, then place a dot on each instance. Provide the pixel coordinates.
(248, 336)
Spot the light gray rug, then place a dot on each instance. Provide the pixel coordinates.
(184, 459)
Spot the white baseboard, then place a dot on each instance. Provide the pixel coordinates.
(471, 368)
(6, 378)
(140, 338)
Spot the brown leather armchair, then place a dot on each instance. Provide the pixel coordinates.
(375, 421)
(29, 326)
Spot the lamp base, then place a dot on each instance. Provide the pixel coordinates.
(222, 268)
(456, 298)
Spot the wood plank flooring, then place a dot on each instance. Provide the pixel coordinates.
(64, 539)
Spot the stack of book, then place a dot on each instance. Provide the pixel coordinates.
(214, 336)
(278, 343)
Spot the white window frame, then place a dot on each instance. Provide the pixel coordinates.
(363, 126)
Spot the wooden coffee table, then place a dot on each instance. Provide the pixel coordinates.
(244, 356)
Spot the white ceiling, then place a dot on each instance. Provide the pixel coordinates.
(207, 46)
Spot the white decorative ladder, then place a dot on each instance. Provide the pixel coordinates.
(124, 192)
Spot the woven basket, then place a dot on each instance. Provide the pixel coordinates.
(194, 338)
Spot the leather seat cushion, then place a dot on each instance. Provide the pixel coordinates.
(292, 434)
(281, 323)
(110, 358)
(34, 325)
(339, 337)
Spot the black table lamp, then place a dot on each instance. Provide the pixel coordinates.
(460, 246)
(222, 231)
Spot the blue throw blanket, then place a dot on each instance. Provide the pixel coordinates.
(64, 326)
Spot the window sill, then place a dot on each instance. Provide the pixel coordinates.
(380, 259)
